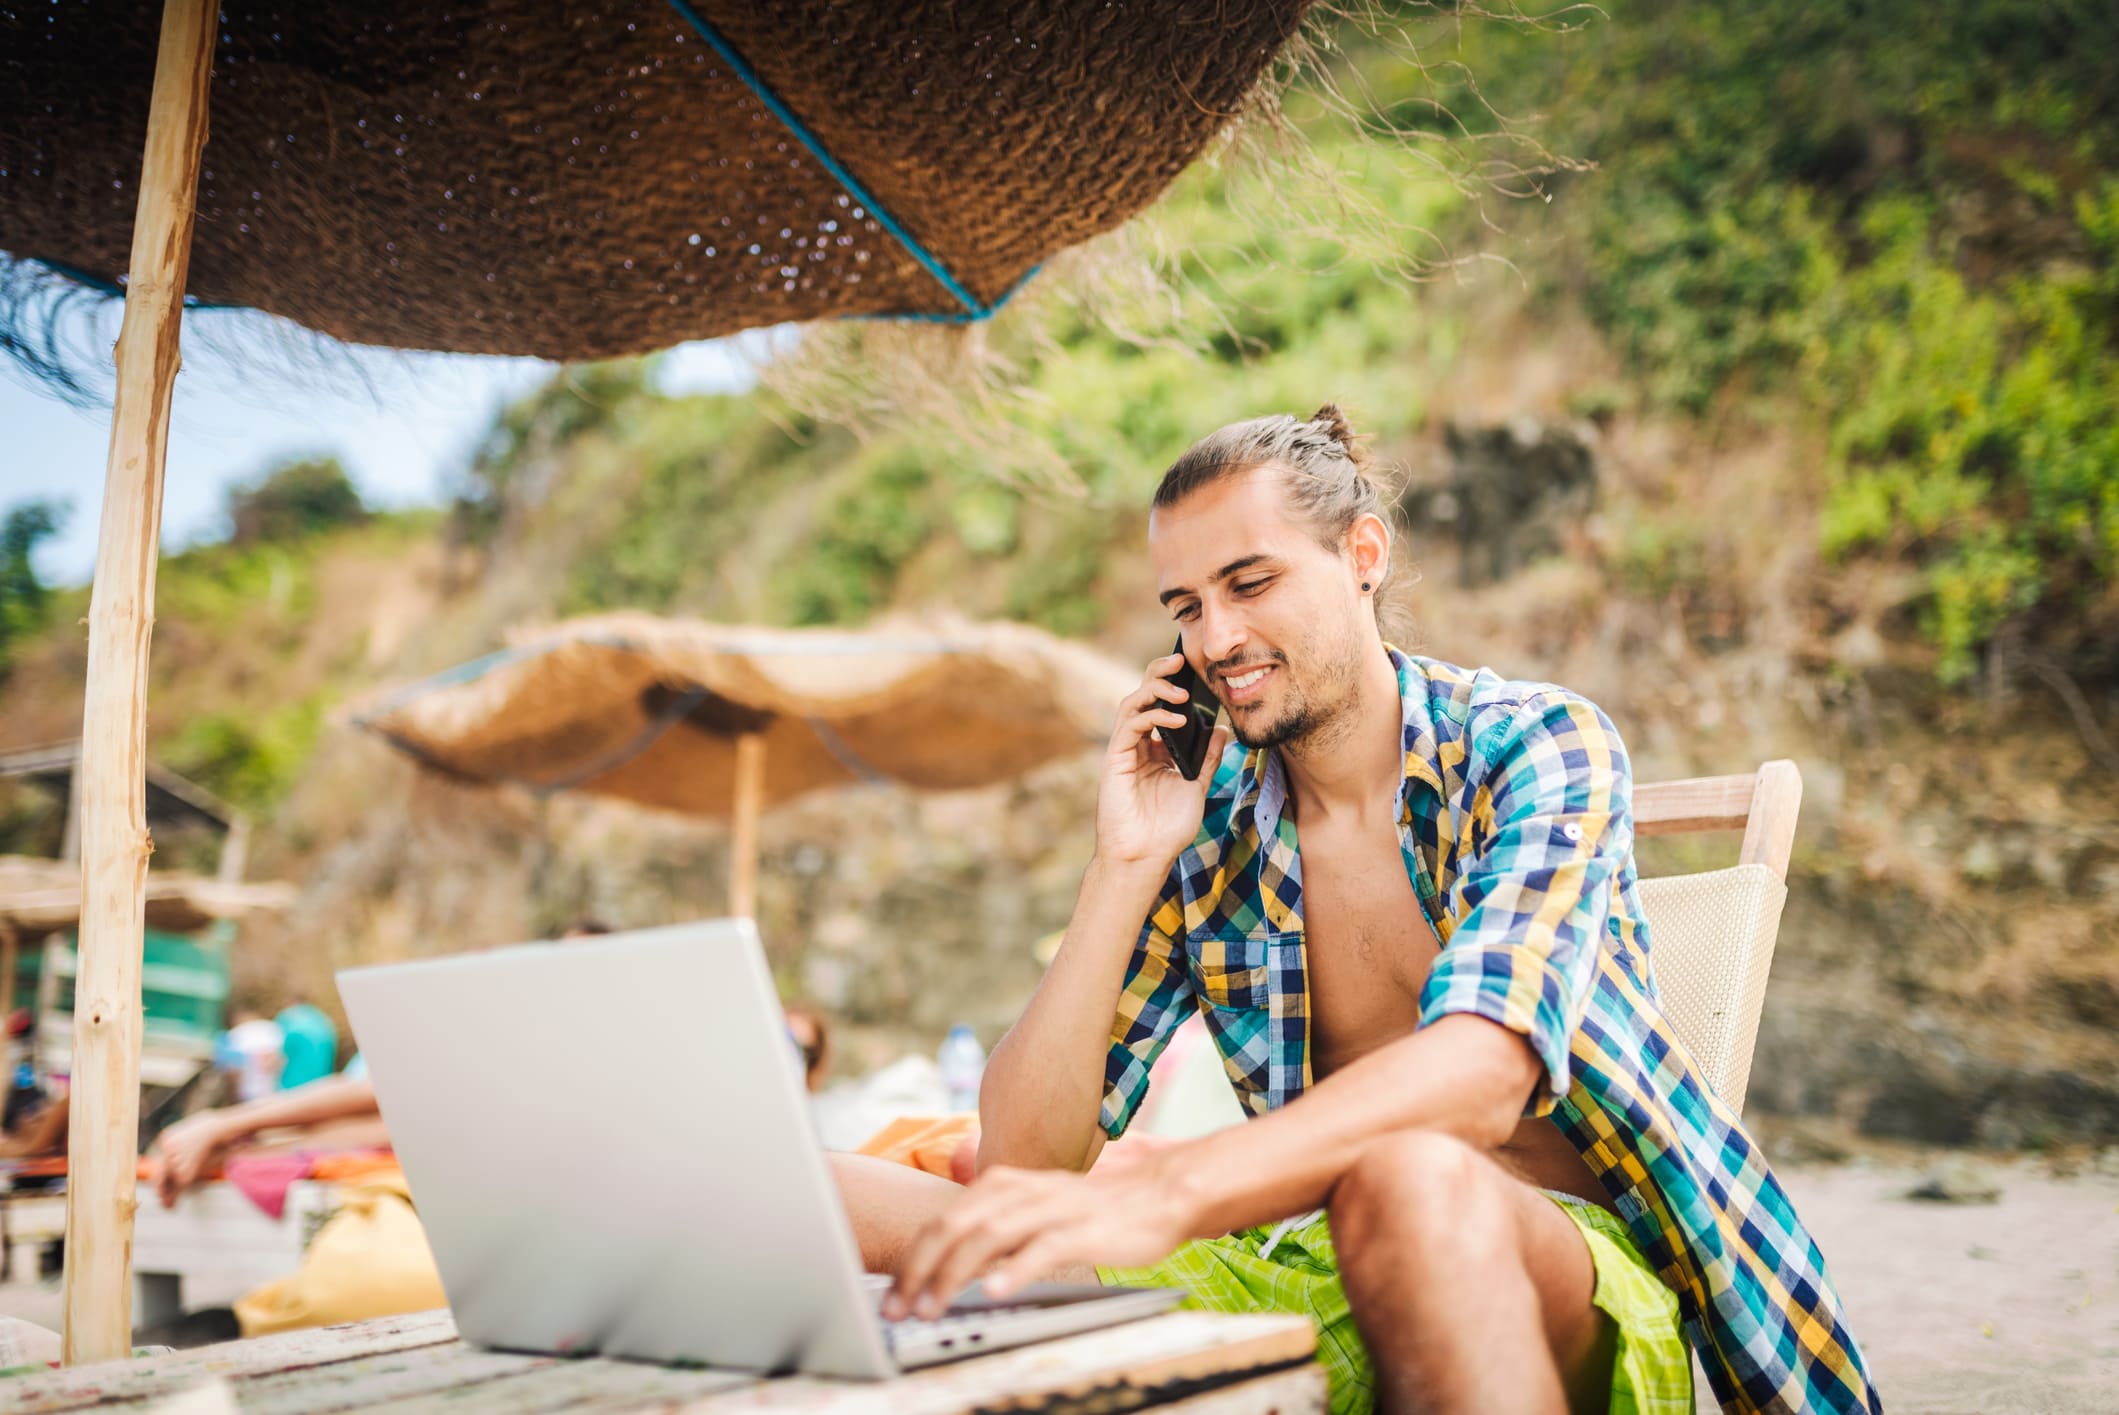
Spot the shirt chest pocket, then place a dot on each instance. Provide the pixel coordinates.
(1231, 968)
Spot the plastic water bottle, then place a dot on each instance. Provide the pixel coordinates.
(962, 1062)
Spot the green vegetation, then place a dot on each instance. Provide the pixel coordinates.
(244, 614)
(215, 588)
(25, 601)
(294, 500)
(1899, 219)
(249, 758)
(1978, 430)
(578, 402)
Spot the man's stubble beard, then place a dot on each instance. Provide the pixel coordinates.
(1307, 721)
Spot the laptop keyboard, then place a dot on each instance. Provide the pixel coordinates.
(952, 1331)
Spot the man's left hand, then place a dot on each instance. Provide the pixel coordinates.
(1019, 1225)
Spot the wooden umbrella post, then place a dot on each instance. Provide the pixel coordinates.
(749, 806)
(10, 960)
(113, 764)
(235, 851)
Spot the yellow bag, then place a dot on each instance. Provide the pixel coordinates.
(370, 1259)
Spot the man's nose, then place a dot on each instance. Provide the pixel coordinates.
(1221, 633)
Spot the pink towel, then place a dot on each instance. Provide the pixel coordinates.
(264, 1179)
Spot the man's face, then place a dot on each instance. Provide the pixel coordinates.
(1269, 617)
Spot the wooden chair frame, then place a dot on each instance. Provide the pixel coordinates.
(1763, 804)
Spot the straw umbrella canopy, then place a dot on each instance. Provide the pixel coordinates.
(725, 721)
(38, 897)
(578, 182)
(534, 180)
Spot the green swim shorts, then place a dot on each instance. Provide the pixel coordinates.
(1651, 1371)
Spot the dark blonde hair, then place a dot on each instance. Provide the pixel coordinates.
(1326, 471)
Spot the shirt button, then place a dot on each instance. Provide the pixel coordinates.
(1572, 831)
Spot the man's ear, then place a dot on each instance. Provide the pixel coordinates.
(1368, 541)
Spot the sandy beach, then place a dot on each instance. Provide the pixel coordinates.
(1982, 1307)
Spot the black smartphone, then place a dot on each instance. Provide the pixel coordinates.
(1188, 744)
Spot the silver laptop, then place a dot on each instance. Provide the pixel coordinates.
(611, 1150)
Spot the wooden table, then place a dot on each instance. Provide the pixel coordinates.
(1181, 1361)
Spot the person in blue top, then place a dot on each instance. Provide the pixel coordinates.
(309, 1044)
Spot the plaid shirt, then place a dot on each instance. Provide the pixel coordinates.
(1516, 824)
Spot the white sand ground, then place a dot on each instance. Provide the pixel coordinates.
(1976, 1308)
(1963, 1309)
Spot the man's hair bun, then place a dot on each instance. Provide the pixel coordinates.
(1333, 424)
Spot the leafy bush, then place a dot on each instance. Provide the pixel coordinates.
(875, 520)
(24, 599)
(216, 587)
(1977, 431)
(688, 472)
(295, 500)
(249, 760)
(1904, 217)
(575, 402)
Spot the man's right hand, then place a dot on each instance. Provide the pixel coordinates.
(1145, 809)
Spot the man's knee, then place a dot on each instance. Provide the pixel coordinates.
(1417, 1192)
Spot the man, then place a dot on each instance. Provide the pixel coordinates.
(1492, 1174)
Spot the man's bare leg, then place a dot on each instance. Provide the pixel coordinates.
(888, 1204)
(1471, 1289)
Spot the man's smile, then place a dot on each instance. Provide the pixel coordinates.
(1246, 686)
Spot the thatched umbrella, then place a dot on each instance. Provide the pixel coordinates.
(538, 180)
(577, 181)
(724, 721)
(38, 897)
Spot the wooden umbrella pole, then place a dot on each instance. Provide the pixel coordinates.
(10, 960)
(113, 765)
(749, 806)
(235, 851)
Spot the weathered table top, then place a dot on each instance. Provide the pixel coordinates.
(1185, 1361)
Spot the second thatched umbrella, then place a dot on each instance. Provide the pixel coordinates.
(41, 897)
(722, 721)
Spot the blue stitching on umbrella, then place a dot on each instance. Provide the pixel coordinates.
(974, 308)
(838, 747)
(654, 732)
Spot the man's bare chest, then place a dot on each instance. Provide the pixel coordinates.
(1367, 946)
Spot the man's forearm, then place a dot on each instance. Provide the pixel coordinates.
(1044, 1084)
(1463, 1076)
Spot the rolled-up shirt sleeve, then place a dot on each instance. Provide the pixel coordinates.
(1156, 997)
(1552, 829)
